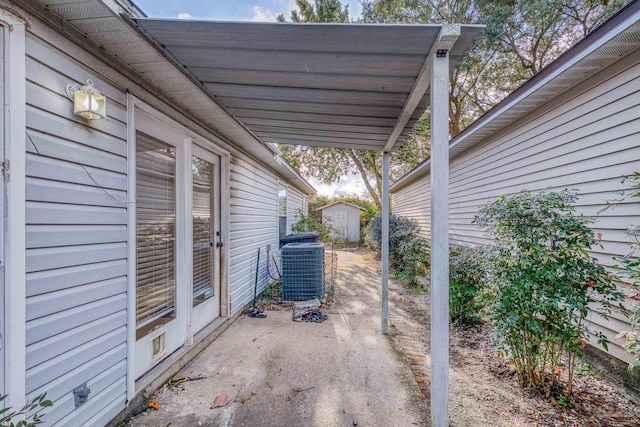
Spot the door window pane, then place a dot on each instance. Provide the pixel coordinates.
(282, 211)
(155, 233)
(203, 241)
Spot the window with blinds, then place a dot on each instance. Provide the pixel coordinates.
(155, 232)
(202, 172)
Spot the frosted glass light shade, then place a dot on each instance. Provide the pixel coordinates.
(88, 102)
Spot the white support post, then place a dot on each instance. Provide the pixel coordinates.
(440, 240)
(385, 242)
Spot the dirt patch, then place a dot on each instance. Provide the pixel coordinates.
(484, 390)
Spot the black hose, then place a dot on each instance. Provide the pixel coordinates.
(274, 263)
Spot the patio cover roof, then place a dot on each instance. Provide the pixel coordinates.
(332, 85)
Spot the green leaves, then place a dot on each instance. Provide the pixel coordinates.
(630, 275)
(544, 281)
(409, 254)
(28, 418)
(467, 278)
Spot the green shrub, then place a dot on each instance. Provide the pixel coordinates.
(415, 257)
(408, 253)
(542, 283)
(630, 275)
(401, 230)
(466, 279)
(306, 224)
(7, 415)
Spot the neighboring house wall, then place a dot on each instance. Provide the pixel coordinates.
(586, 139)
(352, 230)
(77, 236)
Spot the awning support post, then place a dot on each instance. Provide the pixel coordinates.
(385, 243)
(440, 240)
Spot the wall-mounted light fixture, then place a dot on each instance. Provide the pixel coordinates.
(88, 102)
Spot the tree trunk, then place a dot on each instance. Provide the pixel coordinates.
(365, 178)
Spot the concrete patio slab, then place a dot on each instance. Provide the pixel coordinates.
(277, 372)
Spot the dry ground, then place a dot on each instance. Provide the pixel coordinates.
(484, 391)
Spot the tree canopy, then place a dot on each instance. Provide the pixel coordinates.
(522, 37)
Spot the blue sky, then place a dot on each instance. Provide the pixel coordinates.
(227, 10)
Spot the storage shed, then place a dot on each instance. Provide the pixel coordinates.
(344, 218)
(576, 124)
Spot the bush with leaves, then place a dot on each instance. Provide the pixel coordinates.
(630, 275)
(8, 416)
(466, 280)
(408, 252)
(543, 282)
(415, 256)
(401, 230)
(306, 224)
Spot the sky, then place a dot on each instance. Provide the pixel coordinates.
(250, 10)
(227, 10)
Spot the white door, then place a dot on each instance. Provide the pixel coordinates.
(161, 294)
(206, 239)
(340, 224)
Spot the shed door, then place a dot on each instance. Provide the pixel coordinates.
(340, 223)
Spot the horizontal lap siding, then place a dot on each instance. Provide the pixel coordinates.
(76, 242)
(253, 226)
(294, 207)
(587, 142)
(414, 201)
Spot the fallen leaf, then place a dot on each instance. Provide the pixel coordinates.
(220, 400)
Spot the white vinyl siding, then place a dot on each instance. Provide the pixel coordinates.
(587, 140)
(253, 225)
(76, 237)
(294, 206)
(414, 201)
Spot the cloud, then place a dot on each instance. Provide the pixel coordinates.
(348, 185)
(263, 14)
(184, 15)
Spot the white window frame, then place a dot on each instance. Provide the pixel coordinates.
(14, 335)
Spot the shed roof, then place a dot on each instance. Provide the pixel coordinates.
(333, 85)
(338, 203)
(611, 41)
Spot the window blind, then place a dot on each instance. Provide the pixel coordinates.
(155, 230)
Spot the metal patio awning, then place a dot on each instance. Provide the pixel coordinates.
(334, 85)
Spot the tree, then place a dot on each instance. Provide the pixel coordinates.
(324, 11)
(522, 37)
